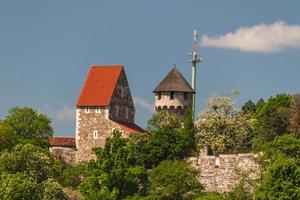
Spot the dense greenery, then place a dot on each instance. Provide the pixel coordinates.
(126, 168)
(275, 117)
(152, 165)
(24, 125)
(281, 169)
(27, 172)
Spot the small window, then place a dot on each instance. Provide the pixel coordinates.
(159, 95)
(185, 96)
(87, 110)
(172, 94)
(95, 134)
(126, 113)
(98, 110)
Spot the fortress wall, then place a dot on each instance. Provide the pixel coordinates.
(65, 154)
(222, 173)
(217, 173)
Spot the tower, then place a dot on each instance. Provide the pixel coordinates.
(194, 60)
(173, 93)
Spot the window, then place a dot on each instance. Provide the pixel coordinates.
(87, 110)
(95, 134)
(172, 94)
(126, 113)
(159, 95)
(98, 110)
(185, 96)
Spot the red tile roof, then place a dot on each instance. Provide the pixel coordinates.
(61, 142)
(99, 86)
(130, 127)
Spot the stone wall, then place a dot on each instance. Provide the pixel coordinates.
(222, 173)
(121, 105)
(65, 154)
(177, 105)
(88, 122)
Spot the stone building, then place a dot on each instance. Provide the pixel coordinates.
(105, 104)
(173, 93)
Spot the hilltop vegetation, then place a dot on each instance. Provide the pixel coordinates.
(153, 165)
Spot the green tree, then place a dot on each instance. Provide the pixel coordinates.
(52, 190)
(18, 186)
(7, 139)
(115, 174)
(281, 180)
(27, 173)
(167, 139)
(275, 117)
(28, 159)
(281, 169)
(224, 128)
(249, 107)
(174, 180)
(26, 125)
(73, 175)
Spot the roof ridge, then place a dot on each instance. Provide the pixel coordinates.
(174, 81)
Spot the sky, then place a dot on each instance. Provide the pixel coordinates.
(47, 47)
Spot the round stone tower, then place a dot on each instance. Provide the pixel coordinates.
(173, 93)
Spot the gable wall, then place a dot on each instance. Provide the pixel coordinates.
(122, 99)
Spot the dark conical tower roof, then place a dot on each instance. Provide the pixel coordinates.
(174, 81)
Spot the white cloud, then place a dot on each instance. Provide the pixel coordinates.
(262, 38)
(144, 104)
(66, 113)
(63, 113)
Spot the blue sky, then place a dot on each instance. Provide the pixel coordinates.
(47, 47)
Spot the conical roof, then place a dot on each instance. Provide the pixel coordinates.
(174, 81)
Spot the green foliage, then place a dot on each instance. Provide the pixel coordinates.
(281, 180)
(28, 122)
(172, 180)
(51, 190)
(212, 196)
(26, 174)
(249, 107)
(73, 175)
(224, 128)
(7, 139)
(114, 175)
(275, 117)
(163, 120)
(287, 146)
(240, 192)
(27, 159)
(167, 140)
(281, 169)
(18, 186)
(24, 125)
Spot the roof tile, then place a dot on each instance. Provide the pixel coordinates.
(99, 86)
(61, 142)
(174, 81)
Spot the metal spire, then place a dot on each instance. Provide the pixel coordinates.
(194, 60)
